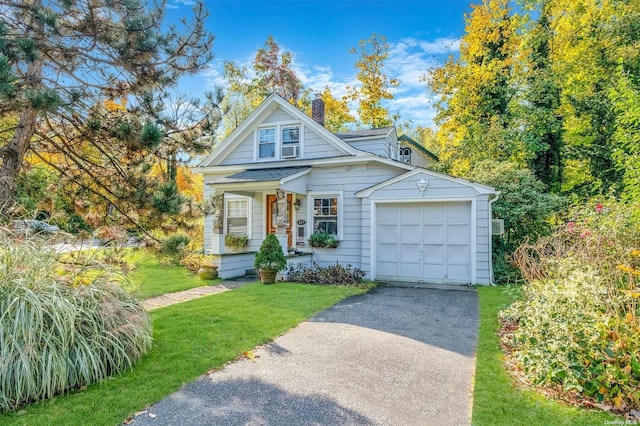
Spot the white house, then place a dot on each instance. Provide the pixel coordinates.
(395, 220)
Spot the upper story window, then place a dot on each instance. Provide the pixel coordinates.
(281, 141)
(405, 155)
(267, 143)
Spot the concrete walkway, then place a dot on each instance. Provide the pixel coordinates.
(394, 356)
(181, 296)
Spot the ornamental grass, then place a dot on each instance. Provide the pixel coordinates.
(63, 325)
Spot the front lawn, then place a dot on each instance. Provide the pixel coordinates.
(152, 278)
(496, 399)
(191, 338)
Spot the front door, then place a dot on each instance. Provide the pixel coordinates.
(272, 213)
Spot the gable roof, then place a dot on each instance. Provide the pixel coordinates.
(366, 133)
(481, 189)
(422, 149)
(267, 106)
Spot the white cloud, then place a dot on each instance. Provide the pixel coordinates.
(409, 60)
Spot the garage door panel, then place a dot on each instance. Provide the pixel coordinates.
(458, 254)
(411, 234)
(388, 234)
(388, 269)
(458, 212)
(433, 253)
(410, 270)
(435, 213)
(387, 253)
(410, 214)
(458, 234)
(409, 253)
(387, 214)
(459, 273)
(434, 234)
(434, 272)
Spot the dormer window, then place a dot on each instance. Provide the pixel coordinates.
(405, 155)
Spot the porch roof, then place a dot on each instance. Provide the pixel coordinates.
(261, 175)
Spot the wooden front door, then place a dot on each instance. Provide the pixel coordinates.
(272, 214)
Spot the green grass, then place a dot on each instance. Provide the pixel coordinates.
(154, 279)
(496, 400)
(191, 338)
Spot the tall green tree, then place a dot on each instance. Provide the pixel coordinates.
(59, 62)
(375, 85)
(475, 90)
(538, 107)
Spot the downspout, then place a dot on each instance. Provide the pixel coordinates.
(491, 201)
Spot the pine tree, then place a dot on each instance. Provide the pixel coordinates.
(61, 60)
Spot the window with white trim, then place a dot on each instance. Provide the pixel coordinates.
(237, 216)
(325, 214)
(405, 155)
(267, 143)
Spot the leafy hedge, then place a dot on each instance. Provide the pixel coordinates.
(576, 328)
(62, 325)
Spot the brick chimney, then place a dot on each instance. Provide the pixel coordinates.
(317, 109)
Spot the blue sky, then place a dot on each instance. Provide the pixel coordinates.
(422, 34)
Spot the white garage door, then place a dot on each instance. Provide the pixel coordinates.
(428, 242)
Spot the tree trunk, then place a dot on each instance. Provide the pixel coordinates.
(13, 154)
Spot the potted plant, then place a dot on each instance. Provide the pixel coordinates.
(236, 241)
(270, 259)
(322, 239)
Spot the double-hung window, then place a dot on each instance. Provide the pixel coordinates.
(290, 141)
(326, 210)
(267, 143)
(237, 216)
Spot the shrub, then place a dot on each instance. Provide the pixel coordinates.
(322, 239)
(270, 256)
(576, 328)
(523, 204)
(316, 274)
(62, 325)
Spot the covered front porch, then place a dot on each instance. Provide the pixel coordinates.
(250, 204)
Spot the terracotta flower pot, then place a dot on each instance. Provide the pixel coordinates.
(208, 272)
(268, 276)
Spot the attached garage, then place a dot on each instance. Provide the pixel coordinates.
(424, 242)
(427, 227)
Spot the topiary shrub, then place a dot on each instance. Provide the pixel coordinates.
(62, 325)
(270, 257)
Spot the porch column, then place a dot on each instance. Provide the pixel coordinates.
(281, 219)
(217, 239)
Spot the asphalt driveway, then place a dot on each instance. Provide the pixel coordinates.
(394, 356)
